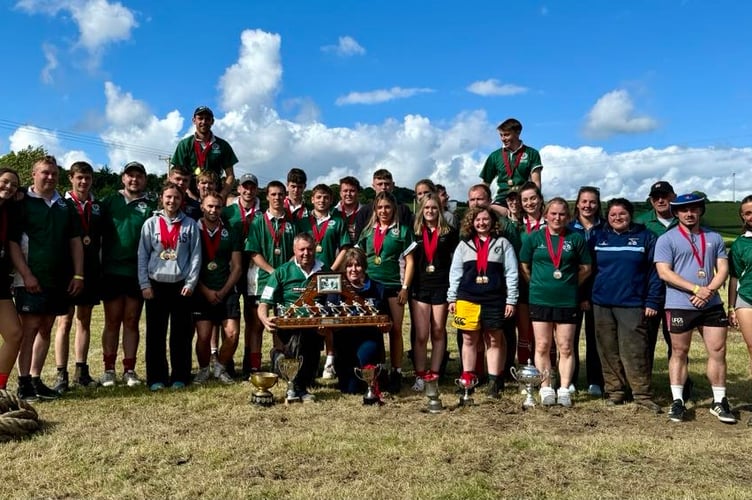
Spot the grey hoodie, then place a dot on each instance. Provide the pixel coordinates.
(185, 267)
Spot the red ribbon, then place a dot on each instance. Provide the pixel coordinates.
(169, 237)
(699, 258)
(482, 248)
(247, 217)
(507, 166)
(211, 242)
(276, 235)
(84, 212)
(300, 210)
(529, 226)
(378, 239)
(201, 153)
(430, 244)
(318, 234)
(555, 257)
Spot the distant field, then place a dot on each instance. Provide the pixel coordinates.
(721, 216)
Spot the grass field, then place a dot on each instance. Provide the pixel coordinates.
(210, 442)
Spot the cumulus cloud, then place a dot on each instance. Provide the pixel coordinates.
(100, 23)
(493, 87)
(347, 46)
(614, 114)
(29, 136)
(379, 96)
(50, 55)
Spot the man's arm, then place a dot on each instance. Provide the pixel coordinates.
(229, 181)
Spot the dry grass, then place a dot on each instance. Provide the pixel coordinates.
(209, 442)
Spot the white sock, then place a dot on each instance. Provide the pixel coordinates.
(677, 391)
(329, 360)
(718, 393)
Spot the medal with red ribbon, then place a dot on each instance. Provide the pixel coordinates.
(699, 255)
(555, 257)
(378, 242)
(276, 235)
(430, 244)
(318, 233)
(169, 239)
(508, 164)
(201, 153)
(247, 217)
(481, 262)
(211, 243)
(530, 227)
(84, 213)
(290, 212)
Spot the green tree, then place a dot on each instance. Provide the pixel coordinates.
(23, 162)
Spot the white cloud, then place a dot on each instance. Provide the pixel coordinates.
(346, 46)
(379, 96)
(50, 55)
(100, 23)
(494, 87)
(28, 136)
(614, 114)
(254, 80)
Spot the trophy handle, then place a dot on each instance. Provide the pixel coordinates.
(514, 372)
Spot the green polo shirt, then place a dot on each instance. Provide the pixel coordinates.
(121, 231)
(234, 218)
(219, 157)
(334, 237)
(287, 283)
(92, 230)
(494, 168)
(740, 266)
(261, 241)
(398, 240)
(229, 242)
(650, 220)
(545, 290)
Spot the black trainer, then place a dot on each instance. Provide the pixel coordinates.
(677, 411)
(395, 382)
(722, 410)
(61, 382)
(26, 391)
(83, 378)
(493, 390)
(43, 392)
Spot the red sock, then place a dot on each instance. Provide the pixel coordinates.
(3, 380)
(129, 364)
(256, 360)
(109, 362)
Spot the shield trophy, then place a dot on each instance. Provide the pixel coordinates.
(530, 378)
(288, 368)
(467, 385)
(262, 382)
(369, 374)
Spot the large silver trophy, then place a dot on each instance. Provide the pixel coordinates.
(530, 378)
(369, 374)
(467, 385)
(288, 370)
(432, 393)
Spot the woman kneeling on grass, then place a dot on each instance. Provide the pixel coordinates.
(626, 292)
(482, 293)
(555, 262)
(169, 262)
(10, 327)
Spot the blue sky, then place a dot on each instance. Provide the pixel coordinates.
(616, 94)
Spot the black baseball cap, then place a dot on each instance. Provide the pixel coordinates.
(661, 188)
(203, 110)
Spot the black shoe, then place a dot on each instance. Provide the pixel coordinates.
(493, 390)
(677, 411)
(650, 405)
(43, 392)
(688, 392)
(26, 392)
(81, 377)
(395, 382)
(61, 382)
(722, 410)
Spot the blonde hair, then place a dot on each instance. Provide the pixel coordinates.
(442, 225)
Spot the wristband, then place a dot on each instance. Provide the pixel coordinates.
(78, 277)
(404, 287)
(696, 289)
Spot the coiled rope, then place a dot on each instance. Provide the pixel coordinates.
(17, 417)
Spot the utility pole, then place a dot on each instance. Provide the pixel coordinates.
(166, 159)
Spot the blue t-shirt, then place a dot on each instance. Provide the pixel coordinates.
(674, 249)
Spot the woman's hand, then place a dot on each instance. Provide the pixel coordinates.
(402, 297)
(509, 310)
(147, 293)
(452, 307)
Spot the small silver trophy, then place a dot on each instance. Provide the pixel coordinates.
(369, 374)
(432, 393)
(530, 378)
(467, 386)
(288, 369)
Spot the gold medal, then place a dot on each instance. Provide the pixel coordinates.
(510, 183)
(377, 260)
(479, 280)
(701, 274)
(87, 240)
(173, 254)
(319, 249)
(485, 280)
(557, 274)
(430, 268)
(197, 171)
(277, 251)
(164, 255)
(212, 266)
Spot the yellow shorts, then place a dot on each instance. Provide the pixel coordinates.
(466, 316)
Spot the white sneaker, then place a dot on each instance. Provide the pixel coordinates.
(547, 396)
(419, 385)
(224, 377)
(564, 397)
(202, 376)
(108, 378)
(572, 389)
(329, 372)
(131, 379)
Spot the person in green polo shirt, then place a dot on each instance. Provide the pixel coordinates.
(513, 164)
(203, 150)
(124, 213)
(47, 251)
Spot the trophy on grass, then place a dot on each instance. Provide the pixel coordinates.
(530, 378)
(262, 382)
(467, 384)
(432, 393)
(288, 370)
(369, 374)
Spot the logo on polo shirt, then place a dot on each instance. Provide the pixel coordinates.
(225, 233)
(395, 231)
(632, 241)
(567, 247)
(95, 208)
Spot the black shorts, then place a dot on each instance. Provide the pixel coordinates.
(89, 296)
(216, 313)
(546, 314)
(685, 320)
(492, 316)
(391, 291)
(6, 292)
(114, 286)
(49, 302)
(434, 297)
(249, 302)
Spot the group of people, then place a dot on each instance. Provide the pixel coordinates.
(519, 275)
